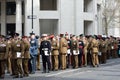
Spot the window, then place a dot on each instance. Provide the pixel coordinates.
(88, 5)
(48, 4)
(10, 8)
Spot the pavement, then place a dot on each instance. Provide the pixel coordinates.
(108, 71)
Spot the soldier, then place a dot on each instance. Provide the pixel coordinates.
(108, 47)
(116, 47)
(55, 53)
(89, 58)
(85, 51)
(103, 50)
(94, 49)
(13, 60)
(4, 49)
(8, 41)
(45, 49)
(38, 56)
(100, 49)
(18, 54)
(63, 51)
(74, 51)
(81, 47)
(68, 51)
(26, 55)
(33, 52)
(112, 46)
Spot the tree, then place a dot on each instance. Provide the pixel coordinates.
(110, 13)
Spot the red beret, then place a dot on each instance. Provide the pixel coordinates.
(24, 37)
(51, 36)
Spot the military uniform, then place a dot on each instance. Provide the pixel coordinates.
(94, 49)
(38, 58)
(13, 60)
(26, 57)
(9, 68)
(18, 54)
(33, 53)
(112, 48)
(45, 49)
(108, 48)
(74, 51)
(89, 58)
(100, 49)
(85, 51)
(116, 48)
(103, 51)
(80, 55)
(68, 53)
(55, 53)
(3, 57)
(63, 52)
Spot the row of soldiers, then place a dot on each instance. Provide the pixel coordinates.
(77, 51)
(14, 55)
(59, 52)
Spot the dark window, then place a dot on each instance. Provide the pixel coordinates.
(10, 29)
(48, 4)
(10, 8)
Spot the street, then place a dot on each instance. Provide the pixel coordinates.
(108, 71)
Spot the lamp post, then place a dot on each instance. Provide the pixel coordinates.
(32, 16)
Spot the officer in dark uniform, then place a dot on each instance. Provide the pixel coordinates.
(3, 56)
(45, 49)
(81, 47)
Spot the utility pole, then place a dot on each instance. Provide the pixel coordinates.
(32, 16)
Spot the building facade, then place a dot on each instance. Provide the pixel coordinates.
(49, 16)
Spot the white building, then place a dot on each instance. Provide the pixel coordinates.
(50, 16)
